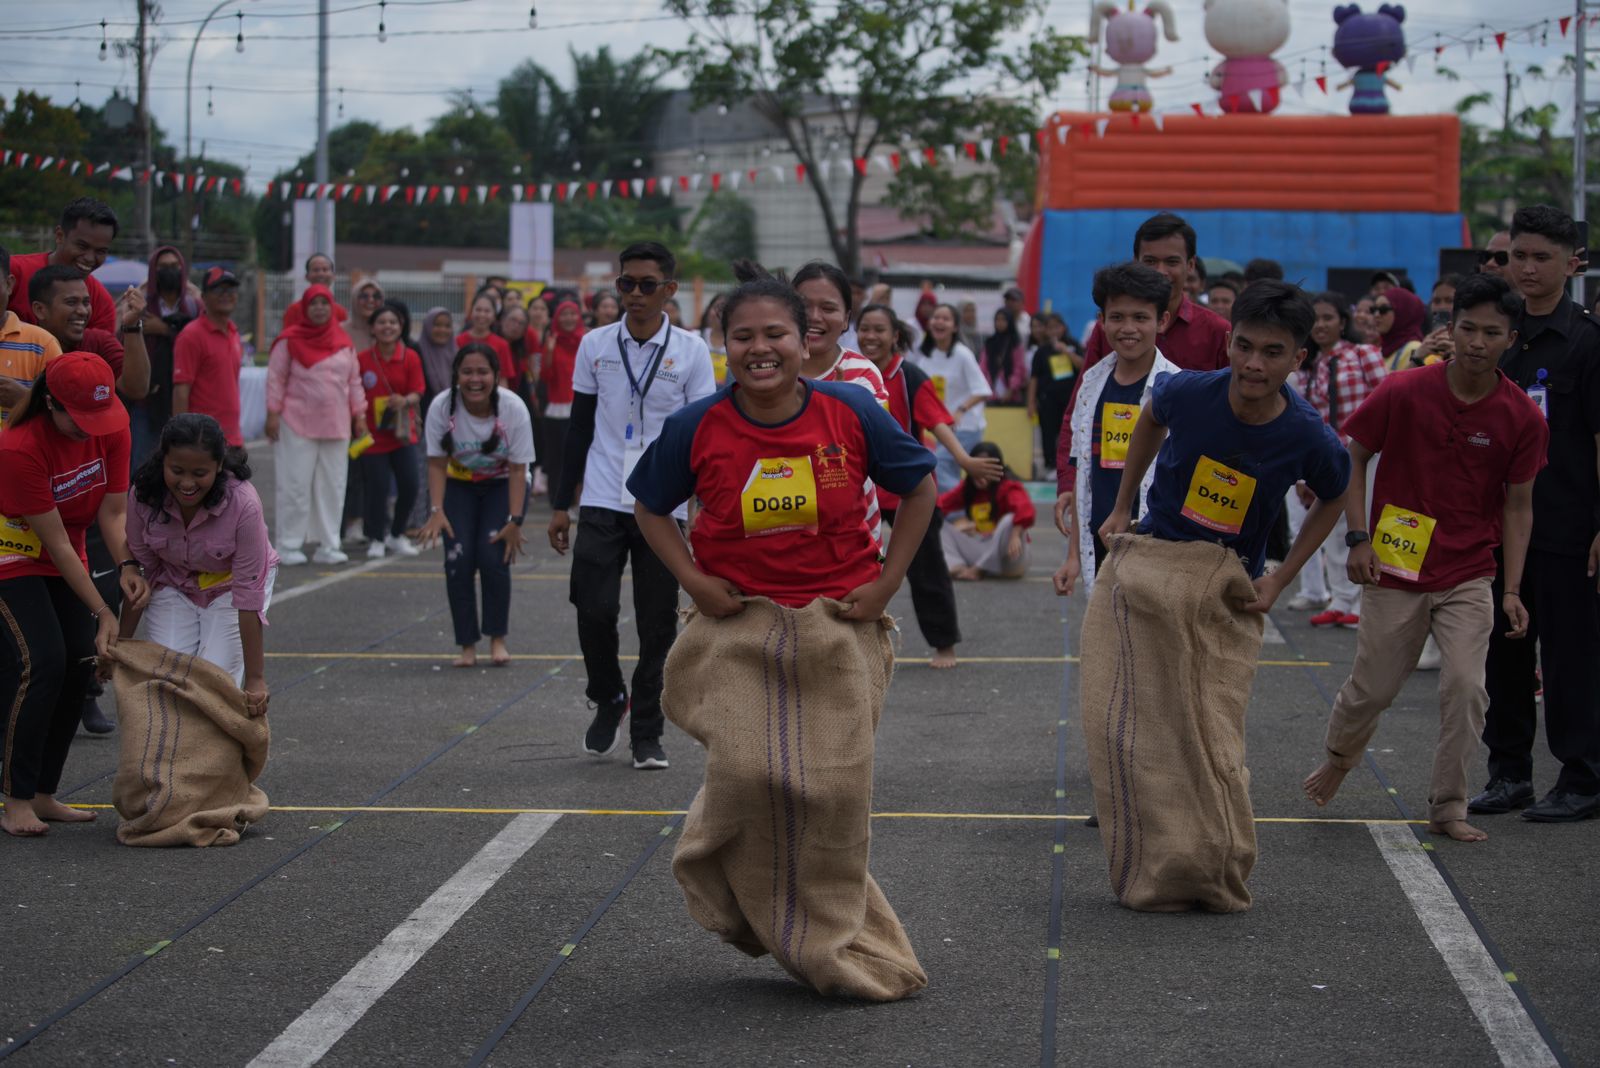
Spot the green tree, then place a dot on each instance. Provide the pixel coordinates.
(885, 72)
(30, 197)
(953, 206)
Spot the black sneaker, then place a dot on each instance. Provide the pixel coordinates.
(1557, 806)
(648, 755)
(605, 730)
(1500, 797)
(94, 720)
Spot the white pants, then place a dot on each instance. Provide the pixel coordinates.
(210, 633)
(986, 552)
(310, 479)
(1313, 582)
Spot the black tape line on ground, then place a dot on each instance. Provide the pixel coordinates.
(20, 1041)
(1443, 869)
(286, 687)
(485, 1050)
(1058, 865)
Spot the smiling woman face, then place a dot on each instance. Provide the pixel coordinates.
(319, 311)
(765, 350)
(825, 316)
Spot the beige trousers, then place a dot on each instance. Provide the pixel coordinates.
(1394, 625)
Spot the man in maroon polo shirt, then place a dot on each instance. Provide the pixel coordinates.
(207, 355)
(83, 238)
(1196, 338)
(60, 302)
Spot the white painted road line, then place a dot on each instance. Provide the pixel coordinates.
(328, 580)
(1511, 1031)
(1270, 634)
(308, 1039)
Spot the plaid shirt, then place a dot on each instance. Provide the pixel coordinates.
(1360, 369)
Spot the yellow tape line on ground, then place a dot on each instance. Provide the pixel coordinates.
(625, 656)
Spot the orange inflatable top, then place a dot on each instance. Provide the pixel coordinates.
(1254, 162)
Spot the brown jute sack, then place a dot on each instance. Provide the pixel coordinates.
(773, 856)
(190, 755)
(1168, 659)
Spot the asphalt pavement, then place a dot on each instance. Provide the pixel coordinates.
(447, 879)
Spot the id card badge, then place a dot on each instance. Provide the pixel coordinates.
(632, 453)
(1539, 393)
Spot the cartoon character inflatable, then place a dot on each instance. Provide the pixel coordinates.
(1130, 39)
(1371, 44)
(1247, 32)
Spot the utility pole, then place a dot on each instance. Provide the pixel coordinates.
(1505, 122)
(1580, 122)
(324, 239)
(142, 202)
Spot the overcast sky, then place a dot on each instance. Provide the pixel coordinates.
(264, 100)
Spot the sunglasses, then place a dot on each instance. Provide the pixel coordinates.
(646, 286)
(1500, 257)
(1382, 309)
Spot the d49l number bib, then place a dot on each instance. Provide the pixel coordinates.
(1401, 541)
(1219, 497)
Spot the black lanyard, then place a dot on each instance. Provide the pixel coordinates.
(634, 388)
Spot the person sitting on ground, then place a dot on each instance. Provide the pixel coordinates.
(197, 530)
(990, 536)
(1133, 300)
(1461, 444)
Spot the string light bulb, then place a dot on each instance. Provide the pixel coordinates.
(77, 96)
(341, 101)
(209, 109)
(533, 17)
(383, 33)
(238, 40)
(102, 40)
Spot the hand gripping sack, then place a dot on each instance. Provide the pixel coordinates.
(1168, 659)
(773, 856)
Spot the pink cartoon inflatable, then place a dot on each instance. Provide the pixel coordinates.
(1247, 32)
(1130, 39)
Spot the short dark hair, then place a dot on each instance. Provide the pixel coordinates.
(88, 209)
(318, 256)
(1283, 305)
(1223, 282)
(1451, 280)
(43, 283)
(1200, 268)
(1338, 301)
(822, 269)
(1479, 289)
(1260, 268)
(653, 251)
(1132, 280)
(1548, 222)
(1164, 224)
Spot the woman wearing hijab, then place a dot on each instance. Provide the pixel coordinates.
(1004, 361)
(314, 395)
(1399, 315)
(436, 344)
(365, 300)
(560, 357)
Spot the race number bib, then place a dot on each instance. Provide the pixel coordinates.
(1061, 366)
(938, 386)
(982, 516)
(208, 579)
(1401, 540)
(457, 470)
(780, 495)
(1116, 431)
(18, 539)
(1219, 497)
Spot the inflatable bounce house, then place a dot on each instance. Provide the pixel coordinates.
(1322, 193)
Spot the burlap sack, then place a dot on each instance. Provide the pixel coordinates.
(773, 856)
(190, 755)
(1168, 659)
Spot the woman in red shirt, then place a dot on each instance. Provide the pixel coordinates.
(560, 357)
(65, 458)
(990, 535)
(481, 317)
(391, 374)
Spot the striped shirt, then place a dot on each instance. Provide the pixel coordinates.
(24, 348)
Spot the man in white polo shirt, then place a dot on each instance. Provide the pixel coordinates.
(629, 377)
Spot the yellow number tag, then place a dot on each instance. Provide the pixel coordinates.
(1116, 431)
(780, 495)
(1219, 497)
(1061, 366)
(208, 579)
(18, 539)
(380, 405)
(1401, 541)
(359, 446)
(719, 367)
(455, 470)
(938, 386)
(982, 516)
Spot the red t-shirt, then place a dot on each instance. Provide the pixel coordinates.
(207, 360)
(910, 405)
(1443, 473)
(782, 513)
(102, 309)
(106, 345)
(989, 505)
(502, 349)
(385, 378)
(45, 470)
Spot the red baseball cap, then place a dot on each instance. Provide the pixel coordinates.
(83, 385)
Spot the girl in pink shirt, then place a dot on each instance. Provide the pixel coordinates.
(196, 528)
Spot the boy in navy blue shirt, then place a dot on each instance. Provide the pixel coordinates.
(1232, 443)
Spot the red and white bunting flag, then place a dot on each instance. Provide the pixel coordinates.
(1500, 39)
(986, 148)
(1134, 119)
(1002, 143)
(716, 181)
(823, 167)
(650, 186)
(22, 160)
(799, 173)
(545, 189)
(894, 161)
(483, 193)
(1322, 83)
(1100, 126)
(338, 190)
(46, 161)
(1039, 135)
(1062, 131)
(1566, 24)
(950, 153)
(931, 154)
(1160, 120)
(494, 191)
(591, 188)
(449, 194)
(372, 193)
(211, 183)
(561, 191)
(734, 178)
(694, 182)
(861, 165)
(621, 188)
(1199, 109)
(1258, 98)
(1024, 142)
(124, 173)
(605, 187)
(433, 194)
(76, 164)
(638, 186)
(516, 193)
(7, 158)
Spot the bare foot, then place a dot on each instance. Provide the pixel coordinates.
(47, 807)
(19, 820)
(965, 574)
(1460, 830)
(468, 657)
(499, 655)
(943, 658)
(1322, 784)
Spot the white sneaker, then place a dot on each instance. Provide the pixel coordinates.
(375, 550)
(1429, 660)
(291, 557)
(1302, 603)
(401, 545)
(325, 555)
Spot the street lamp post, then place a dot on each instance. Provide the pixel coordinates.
(188, 118)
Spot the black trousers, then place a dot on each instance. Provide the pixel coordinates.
(933, 595)
(46, 661)
(1052, 413)
(1564, 611)
(608, 541)
(376, 522)
(553, 449)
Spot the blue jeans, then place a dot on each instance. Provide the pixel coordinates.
(477, 511)
(948, 472)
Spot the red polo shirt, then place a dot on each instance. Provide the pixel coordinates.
(102, 309)
(106, 345)
(207, 359)
(1197, 340)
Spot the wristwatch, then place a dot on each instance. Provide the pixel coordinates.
(517, 519)
(1352, 538)
(138, 328)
